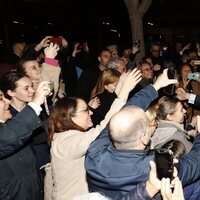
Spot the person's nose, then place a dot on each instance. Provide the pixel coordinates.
(90, 112)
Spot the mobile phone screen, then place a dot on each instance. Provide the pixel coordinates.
(56, 40)
(169, 90)
(164, 163)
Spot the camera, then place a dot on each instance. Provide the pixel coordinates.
(193, 76)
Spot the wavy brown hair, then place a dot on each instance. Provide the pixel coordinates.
(60, 118)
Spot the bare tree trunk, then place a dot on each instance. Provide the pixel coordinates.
(136, 10)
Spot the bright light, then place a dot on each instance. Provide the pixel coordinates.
(150, 23)
(15, 22)
(107, 23)
(113, 30)
(49, 23)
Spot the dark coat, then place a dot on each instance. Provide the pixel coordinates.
(14, 133)
(87, 82)
(106, 99)
(19, 178)
(38, 141)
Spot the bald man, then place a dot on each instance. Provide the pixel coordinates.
(119, 159)
(123, 125)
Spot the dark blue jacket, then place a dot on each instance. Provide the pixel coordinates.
(114, 172)
(14, 133)
(18, 171)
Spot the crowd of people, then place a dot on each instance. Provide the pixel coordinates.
(74, 126)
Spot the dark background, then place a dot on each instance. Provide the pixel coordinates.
(87, 20)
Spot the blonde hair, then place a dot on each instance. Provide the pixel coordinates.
(108, 76)
(151, 113)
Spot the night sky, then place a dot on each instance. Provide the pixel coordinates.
(85, 20)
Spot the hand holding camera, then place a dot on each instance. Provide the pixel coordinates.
(42, 92)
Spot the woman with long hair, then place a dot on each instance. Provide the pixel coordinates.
(105, 91)
(69, 137)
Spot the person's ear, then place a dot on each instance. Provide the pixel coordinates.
(99, 59)
(144, 139)
(11, 93)
(106, 87)
(169, 117)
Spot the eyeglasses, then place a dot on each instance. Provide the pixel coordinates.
(84, 110)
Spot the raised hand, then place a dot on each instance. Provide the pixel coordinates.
(166, 190)
(42, 92)
(94, 103)
(76, 50)
(43, 43)
(181, 94)
(131, 79)
(163, 81)
(51, 51)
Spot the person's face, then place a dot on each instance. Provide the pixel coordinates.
(33, 70)
(111, 87)
(185, 71)
(24, 91)
(178, 115)
(121, 66)
(147, 71)
(104, 58)
(155, 50)
(4, 108)
(193, 56)
(82, 115)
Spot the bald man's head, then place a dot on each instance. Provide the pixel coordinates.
(127, 127)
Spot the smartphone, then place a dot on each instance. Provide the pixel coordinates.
(56, 40)
(164, 163)
(169, 90)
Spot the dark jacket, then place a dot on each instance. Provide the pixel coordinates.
(115, 172)
(16, 132)
(106, 99)
(38, 142)
(138, 193)
(197, 100)
(19, 177)
(111, 171)
(87, 82)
